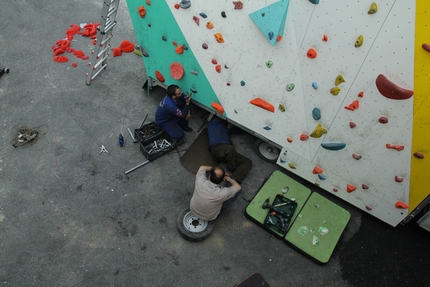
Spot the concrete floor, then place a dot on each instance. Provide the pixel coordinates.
(69, 216)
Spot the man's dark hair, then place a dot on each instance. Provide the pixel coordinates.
(171, 90)
(214, 176)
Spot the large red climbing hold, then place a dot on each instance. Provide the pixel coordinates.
(317, 170)
(176, 70)
(126, 46)
(263, 104)
(159, 76)
(390, 90)
(312, 53)
(218, 108)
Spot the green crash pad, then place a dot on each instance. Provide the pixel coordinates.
(317, 223)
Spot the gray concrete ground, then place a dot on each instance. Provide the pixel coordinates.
(71, 217)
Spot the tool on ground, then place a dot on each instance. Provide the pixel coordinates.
(121, 141)
(266, 205)
(4, 71)
(132, 136)
(103, 149)
(144, 119)
(24, 136)
(136, 167)
(98, 60)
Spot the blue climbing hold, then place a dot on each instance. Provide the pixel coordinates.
(203, 15)
(242, 83)
(314, 85)
(334, 145)
(316, 114)
(315, 1)
(267, 128)
(282, 160)
(270, 35)
(322, 177)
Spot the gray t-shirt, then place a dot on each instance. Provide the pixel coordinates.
(208, 197)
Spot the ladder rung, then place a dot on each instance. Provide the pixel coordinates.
(101, 69)
(99, 62)
(107, 29)
(113, 10)
(103, 51)
(105, 40)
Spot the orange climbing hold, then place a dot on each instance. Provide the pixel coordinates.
(263, 104)
(360, 94)
(177, 6)
(353, 106)
(148, 2)
(279, 38)
(218, 68)
(290, 140)
(304, 137)
(218, 108)
(159, 76)
(219, 38)
(401, 204)
(311, 53)
(142, 11)
(325, 38)
(179, 50)
(317, 170)
(350, 188)
(395, 146)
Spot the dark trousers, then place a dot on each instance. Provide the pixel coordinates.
(227, 153)
(173, 128)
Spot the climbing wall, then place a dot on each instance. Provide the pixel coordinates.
(333, 83)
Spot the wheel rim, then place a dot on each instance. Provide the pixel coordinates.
(268, 151)
(193, 223)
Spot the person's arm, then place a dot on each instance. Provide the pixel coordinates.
(186, 111)
(205, 168)
(232, 182)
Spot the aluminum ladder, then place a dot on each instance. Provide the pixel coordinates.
(98, 59)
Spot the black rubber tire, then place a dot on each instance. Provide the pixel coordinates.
(266, 151)
(193, 228)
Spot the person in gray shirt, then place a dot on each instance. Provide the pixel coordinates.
(210, 196)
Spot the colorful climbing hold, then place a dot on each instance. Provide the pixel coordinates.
(339, 79)
(356, 156)
(159, 76)
(235, 111)
(242, 83)
(194, 72)
(270, 35)
(196, 20)
(359, 41)
(353, 106)
(226, 66)
(364, 186)
(176, 71)
(383, 120)
(312, 53)
(218, 68)
(290, 140)
(418, 155)
(316, 113)
(142, 11)
(304, 137)
(325, 38)
(263, 104)
(205, 46)
(219, 38)
(390, 90)
(238, 5)
(352, 125)
(291, 165)
(401, 204)
(315, 1)
(314, 85)
(335, 189)
(269, 64)
(333, 145)
(175, 43)
(185, 4)
(278, 38)
(350, 188)
(373, 8)
(368, 207)
(360, 94)
(398, 178)
(317, 170)
(426, 47)
(223, 14)
(163, 38)
(214, 61)
(395, 146)
(179, 50)
(282, 160)
(203, 15)
(318, 131)
(177, 6)
(218, 108)
(267, 128)
(290, 87)
(194, 91)
(209, 25)
(335, 91)
(322, 177)
(281, 107)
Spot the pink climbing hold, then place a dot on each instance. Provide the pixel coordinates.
(398, 178)
(364, 186)
(197, 20)
(352, 125)
(356, 156)
(418, 155)
(383, 120)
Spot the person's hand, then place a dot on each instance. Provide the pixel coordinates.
(188, 99)
(188, 116)
(226, 177)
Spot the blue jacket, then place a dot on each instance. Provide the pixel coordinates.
(168, 109)
(218, 132)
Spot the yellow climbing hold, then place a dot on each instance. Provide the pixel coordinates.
(335, 91)
(291, 165)
(359, 41)
(373, 8)
(318, 131)
(339, 79)
(281, 107)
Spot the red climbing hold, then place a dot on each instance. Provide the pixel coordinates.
(317, 170)
(179, 50)
(401, 204)
(398, 178)
(360, 94)
(350, 188)
(218, 68)
(176, 70)
(197, 20)
(304, 137)
(418, 155)
(352, 125)
(61, 59)
(263, 104)
(279, 38)
(214, 61)
(426, 47)
(390, 90)
(364, 186)
(159, 76)
(335, 189)
(142, 11)
(325, 38)
(126, 46)
(395, 146)
(218, 108)
(117, 52)
(353, 106)
(383, 120)
(311, 53)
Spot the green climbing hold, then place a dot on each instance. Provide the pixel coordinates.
(290, 87)
(269, 64)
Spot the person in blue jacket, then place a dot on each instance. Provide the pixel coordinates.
(223, 150)
(173, 113)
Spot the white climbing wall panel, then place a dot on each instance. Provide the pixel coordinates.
(364, 171)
